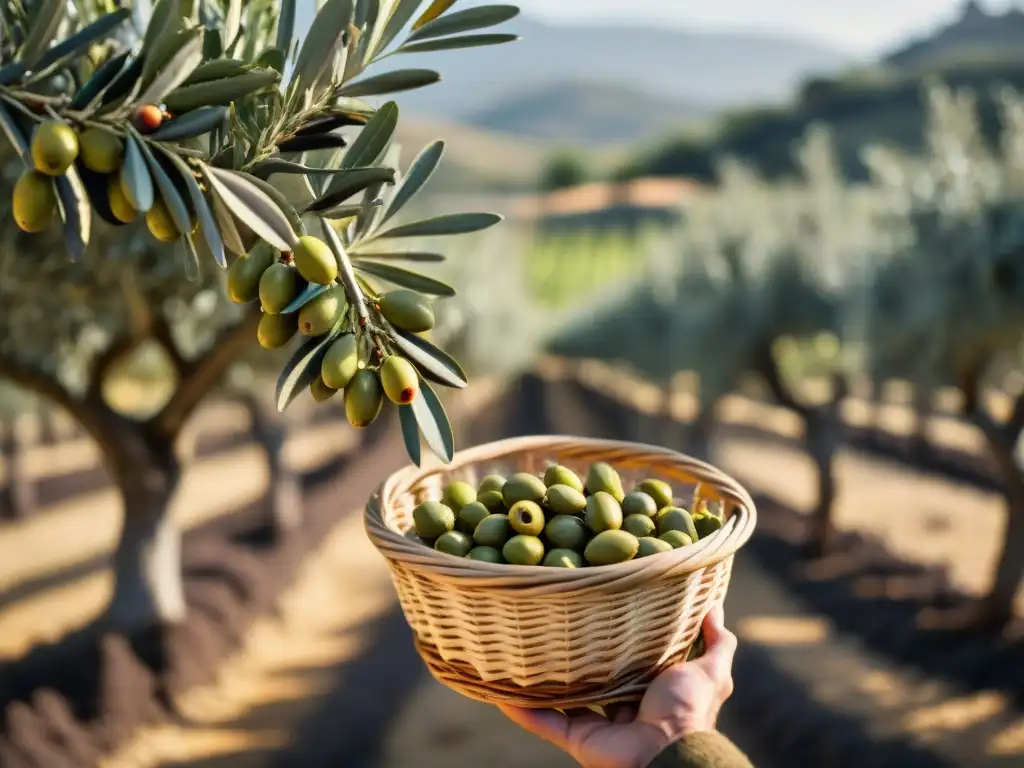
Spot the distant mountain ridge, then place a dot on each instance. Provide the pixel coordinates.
(708, 70)
(585, 112)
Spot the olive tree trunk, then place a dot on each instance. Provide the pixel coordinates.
(148, 587)
(284, 494)
(823, 436)
(18, 498)
(921, 406)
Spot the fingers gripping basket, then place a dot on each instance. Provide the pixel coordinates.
(557, 637)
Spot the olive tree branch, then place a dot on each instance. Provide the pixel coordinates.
(768, 367)
(161, 331)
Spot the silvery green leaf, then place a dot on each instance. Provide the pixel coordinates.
(391, 82)
(168, 192)
(177, 69)
(135, 177)
(373, 139)
(325, 37)
(286, 26)
(232, 21)
(302, 368)
(455, 43)
(191, 124)
(343, 211)
(419, 256)
(410, 433)
(419, 172)
(313, 142)
(207, 219)
(350, 182)
(14, 136)
(329, 123)
(213, 45)
(310, 292)
(272, 58)
(401, 13)
(406, 278)
(46, 22)
(193, 268)
(226, 225)
(124, 86)
(468, 20)
(431, 361)
(433, 423)
(445, 224)
(164, 16)
(267, 168)
(80, 41)
(219, 92)
(98, 83)
(252, 206)
(73, 202)
(279, 199)
(433, 10)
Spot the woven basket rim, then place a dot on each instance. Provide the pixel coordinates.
(399, 548)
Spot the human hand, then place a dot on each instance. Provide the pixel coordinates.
(683, 699)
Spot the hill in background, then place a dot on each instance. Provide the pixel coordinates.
(652, 76)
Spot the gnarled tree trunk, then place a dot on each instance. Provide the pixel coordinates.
(284, 494)
(148, 586)
(823, 436)
(18, 491)
(922, 401)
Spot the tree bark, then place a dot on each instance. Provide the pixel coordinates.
(18, 497)
(284, 493)
(148, 586)
(921, 405)
(999, 603)
(822, 440)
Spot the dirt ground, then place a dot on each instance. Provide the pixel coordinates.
(306, 688)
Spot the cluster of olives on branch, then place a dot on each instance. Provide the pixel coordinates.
(558, 520)
(57, 145)
(351, 363)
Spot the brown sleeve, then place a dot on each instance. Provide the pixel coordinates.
(708, 749)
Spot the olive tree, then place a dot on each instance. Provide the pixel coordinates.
(947, 303)
(231, 144)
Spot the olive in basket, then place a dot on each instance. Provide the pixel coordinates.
(561, 519)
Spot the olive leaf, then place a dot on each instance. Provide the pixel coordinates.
(193, 266)
(419, 172)
(73, 202)
(313, 142)
(303, 367)
(286, 26)
(406, 278)
(48, 16)
(207, 219)
(97, 186)
(436, 365)
(222, 91)
(391, 82)
(454, 43)
(310, 292)
(399, 256)
(433, 423)
(272, 58)
(191, 124)
(279, 198)
(464, 21)
(12, 72)
(350, 210)
(267, 168)
(81, 40)
(232, 21)
(213, 46)
(177, 68)
(165, 13)
(402, 11)
(168, 191)
(100, 81)
(434, 10)
(124, 86)
(226, 226)
(252, 206)
(329, 123)
(372, 141)
(15, 136)
(135, 177)
(445, 224)
(218, 69)
(410, 433)
(350, 182)
(324, 38)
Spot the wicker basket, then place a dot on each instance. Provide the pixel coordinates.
(554, 637)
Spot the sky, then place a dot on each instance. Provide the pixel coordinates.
(860, 27)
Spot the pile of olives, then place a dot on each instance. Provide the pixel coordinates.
(56, 145)
(278, 278)
(558, 520)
